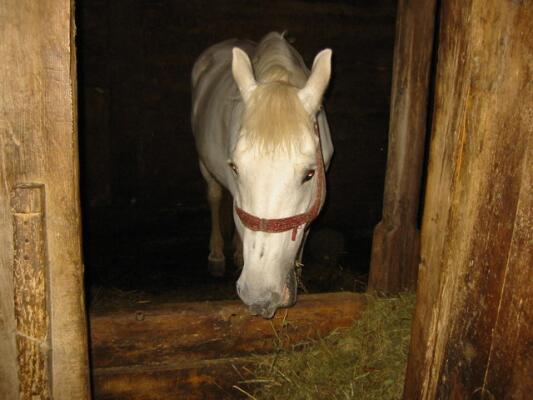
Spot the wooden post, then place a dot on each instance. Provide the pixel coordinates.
(395, 246)
(30, 292)
(43, 343)
(473, 325)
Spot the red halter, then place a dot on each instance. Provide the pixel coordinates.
(286, 224)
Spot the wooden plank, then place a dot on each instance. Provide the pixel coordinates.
(38, 144)
(473, 330)
(510, 358)
(30, 291)
(395, 246)
(203, 380)
(189, 350)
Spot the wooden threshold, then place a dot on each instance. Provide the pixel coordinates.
(200, 350)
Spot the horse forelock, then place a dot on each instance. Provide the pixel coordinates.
(274, 116)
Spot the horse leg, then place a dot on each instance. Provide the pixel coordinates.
(238, 259)
(216, 259)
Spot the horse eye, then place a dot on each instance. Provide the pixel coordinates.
(233, 168)
(308, 175)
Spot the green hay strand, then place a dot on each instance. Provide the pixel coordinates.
(366, 361)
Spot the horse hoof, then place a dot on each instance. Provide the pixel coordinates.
(217, 266)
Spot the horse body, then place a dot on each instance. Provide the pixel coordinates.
(253, 117)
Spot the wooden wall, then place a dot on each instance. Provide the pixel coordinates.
(43, 344)
(139, 158)
(472, 336)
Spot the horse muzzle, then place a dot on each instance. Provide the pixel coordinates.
(268, 303)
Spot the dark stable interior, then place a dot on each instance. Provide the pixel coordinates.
(145, 215)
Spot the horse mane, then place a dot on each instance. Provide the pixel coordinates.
(274, 116)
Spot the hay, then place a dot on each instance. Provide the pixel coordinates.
(366, 361)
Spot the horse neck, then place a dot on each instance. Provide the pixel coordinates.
(276, 60)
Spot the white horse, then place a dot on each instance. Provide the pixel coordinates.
(261, 133)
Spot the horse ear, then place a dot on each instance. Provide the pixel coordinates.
(311, 94)
(241, 67)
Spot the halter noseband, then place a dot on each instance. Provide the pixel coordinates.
(273, 225)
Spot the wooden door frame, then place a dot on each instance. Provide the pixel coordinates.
(43, 335)
(473, 328)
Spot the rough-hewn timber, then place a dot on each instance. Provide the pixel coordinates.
(189, 348)
(395, 248)
(30, 271)
(38, 145)
(473, 329)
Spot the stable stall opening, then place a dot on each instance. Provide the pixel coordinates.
(470, 326)
(145, 215)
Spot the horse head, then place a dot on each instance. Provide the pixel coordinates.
(279, 182)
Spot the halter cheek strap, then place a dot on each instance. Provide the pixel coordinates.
(273, 225)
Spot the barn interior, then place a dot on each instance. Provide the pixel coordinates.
(145, 215)
(471, 330)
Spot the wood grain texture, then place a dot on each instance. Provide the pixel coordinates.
(190, 347)
(472, 333)
(202, 380)
(395, 246)
(38, 144)
(30, 292)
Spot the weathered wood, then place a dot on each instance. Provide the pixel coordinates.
(395, 246)
(38, 144)
(207, 330)
(30, 291)
(191, 346)
(473, 329)
(202, 380)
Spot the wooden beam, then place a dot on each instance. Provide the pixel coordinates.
(200, 380)
(38, 146)
(178, 346)
(395, 247)
(473, 325)
(206, 330)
